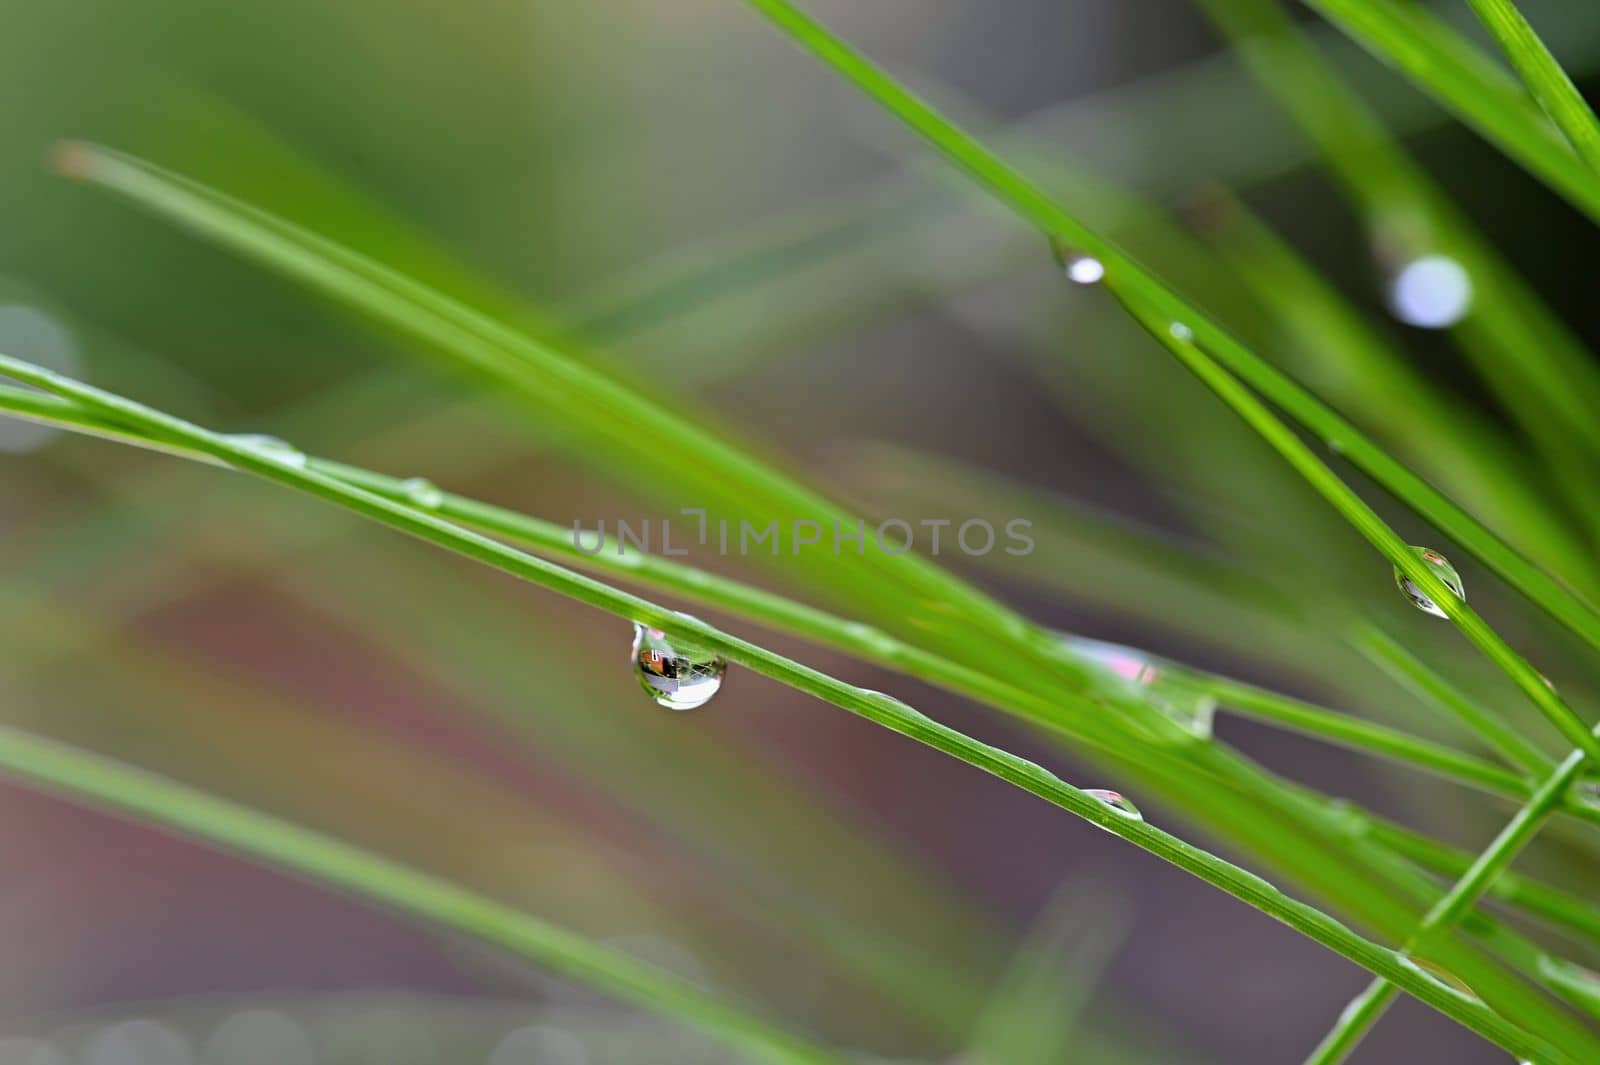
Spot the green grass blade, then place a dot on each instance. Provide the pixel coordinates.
(1470, 85)
(1543, 76)
(1178, 339)
(1437, 690)
(625, 423)
(777, 612)
(1538, 370)
(1123, 275)
(1562, 909)
(328, 861)
(1364, 1011)
(881, 709)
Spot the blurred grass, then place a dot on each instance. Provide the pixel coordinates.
(783, 292)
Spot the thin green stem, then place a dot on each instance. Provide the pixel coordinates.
(281, 845)
(1178, 337)
(1543, 76)
(1469, 84)
(863, 641)
(1365, 1009)
(1435, 690)
(1123, 274)
(1356, 734)
(876, 707)
(1564, 909)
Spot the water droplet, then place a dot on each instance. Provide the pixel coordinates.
(676, 674)
(1440, 975)
(1180, 331)
(1117, 801)
(422, 493)
(1160, 683)
(271, 448)
(1431, 292)
(1446, 573)
(1080, 268)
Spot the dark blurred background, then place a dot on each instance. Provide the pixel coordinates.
(679, 187)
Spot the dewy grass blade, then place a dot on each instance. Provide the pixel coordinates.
(1544, 77)
(1469, 84)
(1537, 368)
(786, 615)
(633, 430)
(875, 707)
(1124, 275)
(1179, 338)
(1364, 1010)
(294, 849)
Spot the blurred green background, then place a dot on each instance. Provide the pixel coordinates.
(675, 186)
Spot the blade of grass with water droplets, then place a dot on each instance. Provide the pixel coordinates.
(1364, 1010)
(1470, 85)
(786, 615)
(1543, 76)
(878, 708)
(1196, 356)
(1123, 274)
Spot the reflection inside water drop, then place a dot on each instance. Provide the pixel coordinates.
(676, 674)
(1431, 292)
(1439, 975)
(1080, 268)
(1160, 683)
(1445, 571)
(1117, 801)
(422, 492)
(271, 448)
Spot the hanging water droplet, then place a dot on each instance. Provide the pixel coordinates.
(1431, 292)
(1446, 573)
(1160, 683)
(422, 493)
(1080, 268)
(1181, 332)
(676, 674)
(1117, 801)
(1440, 975)
(271, 448)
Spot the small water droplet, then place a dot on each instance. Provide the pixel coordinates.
(422, 493)
(1080, 268)
(676, 674)
(270, 447)
(1431, 292)
(1446, 573)
(1161, 683)
(1180, 331)
(1117, 801)
(1440, 975)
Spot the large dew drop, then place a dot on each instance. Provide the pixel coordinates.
(1117, 801)
(271, 448)
(1446, 573)
(1080, 269)
(1440, 975)
(1160, 682)
(677, 675)
(421, 492)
